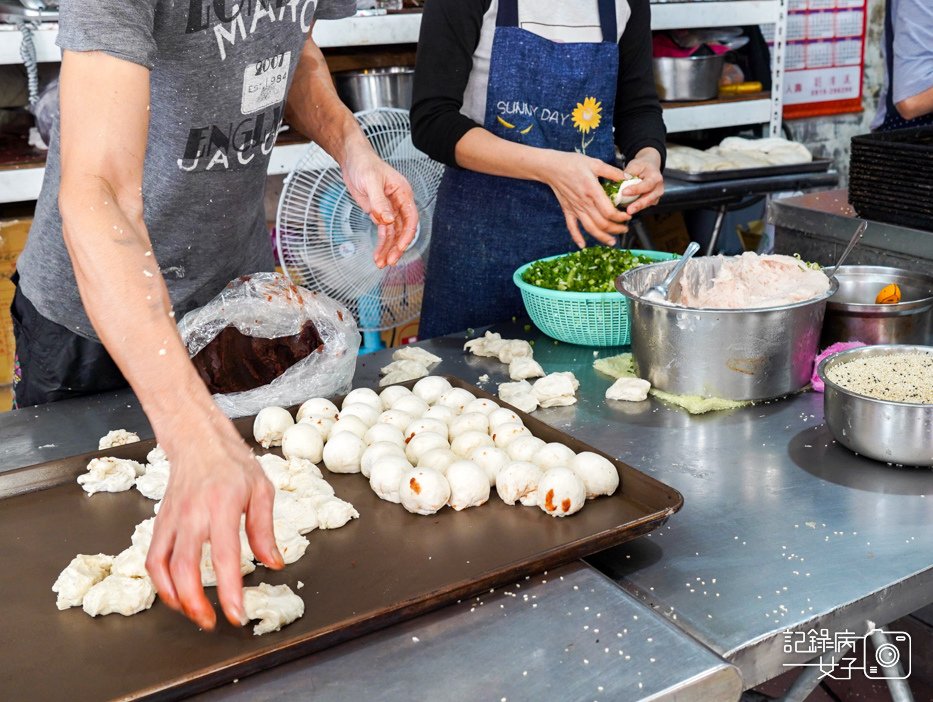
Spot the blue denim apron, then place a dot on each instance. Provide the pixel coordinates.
(544, 94)
(892, 118)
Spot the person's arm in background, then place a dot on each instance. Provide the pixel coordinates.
(314, 109)
(912, 83)
(640, 133)
(215, 478)
(450, 31)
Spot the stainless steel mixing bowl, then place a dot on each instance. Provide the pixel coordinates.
(376, 87)
(852, 315)
(893, 432)
(754, 354)
(687, 78)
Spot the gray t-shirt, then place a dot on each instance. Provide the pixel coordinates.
(219, 74)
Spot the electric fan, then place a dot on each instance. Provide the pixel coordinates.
(326, 242)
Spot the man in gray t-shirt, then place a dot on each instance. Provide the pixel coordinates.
(152, 202)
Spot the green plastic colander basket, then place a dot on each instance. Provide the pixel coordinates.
(587, 319)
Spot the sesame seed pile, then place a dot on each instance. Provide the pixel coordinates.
(898, 378)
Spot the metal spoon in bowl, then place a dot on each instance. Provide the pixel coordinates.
(856, 237)
(659, 293)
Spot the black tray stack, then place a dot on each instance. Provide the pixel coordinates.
(891, 177)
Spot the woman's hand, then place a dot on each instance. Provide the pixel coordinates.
(574, 178)
(214, 479)
(647, 166)
(386, 197)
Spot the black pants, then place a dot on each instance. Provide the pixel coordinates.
(53, 363)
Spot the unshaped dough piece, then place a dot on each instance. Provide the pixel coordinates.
(142, 534)
(469, 485)
(413, 369)
(415, 353)
(514, 348)
(561, 492)
(297, 510)
(274, 606)
(519, 482)
(332, 512)
(423, 491)
(276, 469)
(290, 543)
(131, 563)
(308, 485)
(118, 594)
(303, 465)
(154, 481)
(524, 367)
(485, 346)
(209, 575)
(629, 390)
(157, 455)
(117, 437)
(109, 475)
(78, 577)
(556, 389)
(520, 395)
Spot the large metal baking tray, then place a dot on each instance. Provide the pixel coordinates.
(817, 165)
(383, 568)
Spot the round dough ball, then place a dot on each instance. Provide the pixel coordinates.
(412, 405)
(554, 455)
(393, 394)
(383, 432)
(431, 388)
(469, 421)
(424, 424)
(420, 444)
(597, 473)
(464, 444)
(490, 459)
(481, 405)
(351, 424)
(321, 423)
(519, 482)
(365, 413)
(469, 486)
(561, 492)
(524, 448)
(303, 441)
(378, 450)
(317, 407)
(398, 419)
(504, 434)
(270, 424)
(456, 399)
(445, 414)
(503, 415)
(365, 396)
(423, 491)
(439, 459)
(386, 477)
(343, 451)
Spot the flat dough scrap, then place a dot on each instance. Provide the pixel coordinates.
(117, 437)
(486, 346)
(520, 395)
(514, 348)
(153, 483)
(400, 376)
(131, 563)
(274, 606)
(415, 353)
(556, 389)
(414, 369)
(299, 511)
(118, 594)
(78, 577)
(629, 390)
(525, 367)
(290, 543)
(332, 512)
(109, 475)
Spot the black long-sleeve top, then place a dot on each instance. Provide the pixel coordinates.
(450, 34)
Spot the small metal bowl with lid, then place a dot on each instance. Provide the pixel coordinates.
(885, 430)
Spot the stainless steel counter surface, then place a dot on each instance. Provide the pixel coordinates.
(781, 527)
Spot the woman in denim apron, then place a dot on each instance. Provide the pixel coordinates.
(501, 203)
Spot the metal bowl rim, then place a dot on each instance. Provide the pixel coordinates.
(873, 307)
(693, 57)
(842, 357)
(620, 286)
(380, 71)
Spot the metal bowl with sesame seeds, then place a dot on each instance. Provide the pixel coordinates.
(878, 402)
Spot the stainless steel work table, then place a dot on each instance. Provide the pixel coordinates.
(781, 529)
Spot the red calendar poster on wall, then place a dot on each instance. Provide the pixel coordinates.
(824, 58)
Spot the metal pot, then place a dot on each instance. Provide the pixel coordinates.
(852, 315)
(893, 432)
(756, 354)
(376, 87)
(688, 78)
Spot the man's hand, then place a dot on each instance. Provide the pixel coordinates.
(214, 479)
(386, 197)
(647, 166)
